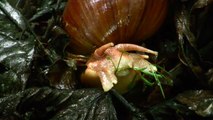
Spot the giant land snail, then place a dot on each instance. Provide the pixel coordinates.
(108, 30)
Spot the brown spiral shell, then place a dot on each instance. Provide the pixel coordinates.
(93, 23)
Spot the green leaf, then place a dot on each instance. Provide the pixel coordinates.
(156, 76)
(147, 82)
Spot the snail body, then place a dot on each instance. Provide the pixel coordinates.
(111, 64)
(104, 29)
(93, 23)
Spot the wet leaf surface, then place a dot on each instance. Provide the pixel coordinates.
(201, 3)
(47, 103)
(200, 101)
(172, 110)
(16, 50)
(188, 53)
(13, 14)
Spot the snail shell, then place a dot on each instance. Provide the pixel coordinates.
(93, 23)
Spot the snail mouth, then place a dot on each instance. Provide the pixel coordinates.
(123, 72)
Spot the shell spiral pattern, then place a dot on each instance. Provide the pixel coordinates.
(93, 23)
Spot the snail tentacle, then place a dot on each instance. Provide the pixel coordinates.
(133, 47)
(100, 51)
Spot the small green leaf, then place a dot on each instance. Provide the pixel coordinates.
(147, 81)
(156, 77)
